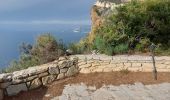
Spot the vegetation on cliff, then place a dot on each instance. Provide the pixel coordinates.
(133, 27)
(45, 49)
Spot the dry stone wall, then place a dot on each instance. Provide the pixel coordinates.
(35, 77)
(135, 63)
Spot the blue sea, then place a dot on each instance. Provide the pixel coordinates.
(12, 37)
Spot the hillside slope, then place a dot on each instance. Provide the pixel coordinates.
(120, 26)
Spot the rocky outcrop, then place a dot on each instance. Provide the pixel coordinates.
(35, 77)
(100, 10)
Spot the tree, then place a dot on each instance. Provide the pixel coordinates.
(46, 49)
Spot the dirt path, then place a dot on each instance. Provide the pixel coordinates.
(93, 79)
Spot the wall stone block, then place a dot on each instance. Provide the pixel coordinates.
(15, 89)
(137, 64)
(61, 76)
(72, 71)
(36, 83)
(85, 66)
(48, 79)
(54, 70)
(64, 70)
(6, 77)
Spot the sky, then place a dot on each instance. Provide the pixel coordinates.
(38, 12)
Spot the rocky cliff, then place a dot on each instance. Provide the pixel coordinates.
(100, 10)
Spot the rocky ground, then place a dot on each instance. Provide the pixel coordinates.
(138, 91)
(112, 81)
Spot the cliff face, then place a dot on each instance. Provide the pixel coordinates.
(96, 22)
(99, 11)
(102, 8)
(95, 17)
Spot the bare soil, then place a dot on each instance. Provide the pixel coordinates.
(93, 79)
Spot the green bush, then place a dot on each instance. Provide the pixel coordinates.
(134, 26)
(121, 49)
(143, 45)
(109, 50)
(45, 49)
(99, 44)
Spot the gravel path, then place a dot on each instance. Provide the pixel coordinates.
(138, 91)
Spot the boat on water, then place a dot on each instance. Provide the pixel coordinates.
(77, 30)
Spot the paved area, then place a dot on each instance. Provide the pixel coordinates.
(138, 91)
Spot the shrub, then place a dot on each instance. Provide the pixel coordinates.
(46, 49)
(124, 71)
(109, 50)
(99, 44)
(121, 48)
(13, 66)
(143, 45)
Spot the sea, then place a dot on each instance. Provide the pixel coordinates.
(12, 38)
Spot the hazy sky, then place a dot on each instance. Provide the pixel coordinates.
(34, 12)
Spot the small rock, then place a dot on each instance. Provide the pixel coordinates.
(35, 84)
(71, 71)
(15, 89)
(32, 71)
(28, 84)
(31, 78)
(47, 95)
(53, 70)
(20, 74)
(43, 74)
(43, 68)
(6, 77)
(62, 64)
(62, 58)
(63, 70)
(48, 79)
(61, 76)
(65, 64)
(17, 81)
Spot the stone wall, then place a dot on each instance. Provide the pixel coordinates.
(135, 63)
(35, 77)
